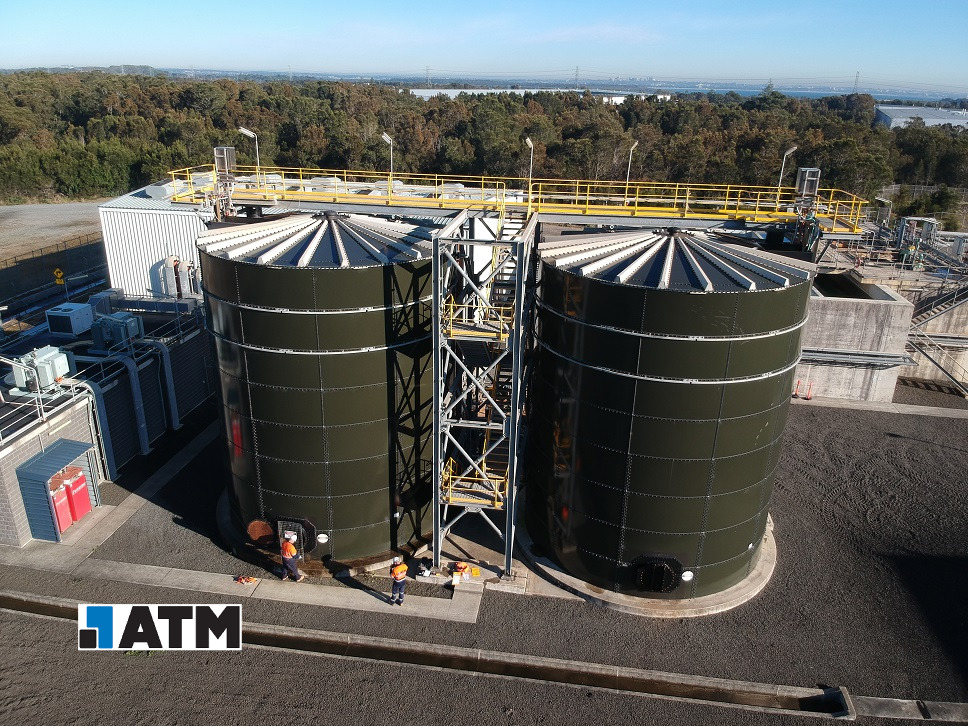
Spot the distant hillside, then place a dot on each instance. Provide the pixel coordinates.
(122, 70)
(96, 134)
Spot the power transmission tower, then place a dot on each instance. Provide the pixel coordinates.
(576, 78)
(856, 81)
(428, 76)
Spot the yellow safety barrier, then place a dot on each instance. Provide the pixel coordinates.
(479, 321)
(472, 488)
(837, 210)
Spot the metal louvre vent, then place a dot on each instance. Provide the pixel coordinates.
(658, 574)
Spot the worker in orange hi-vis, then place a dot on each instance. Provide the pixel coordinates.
(398, 572)
(289, 559)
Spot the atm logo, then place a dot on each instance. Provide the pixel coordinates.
(159, 627)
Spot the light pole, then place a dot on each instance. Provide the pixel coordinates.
(527, 140)
(258, 165)
(783, 165)
(386, 137)
(628, 172)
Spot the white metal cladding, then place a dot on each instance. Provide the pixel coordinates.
(137, 241)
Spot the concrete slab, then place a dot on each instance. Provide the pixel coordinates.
(461, 609)
(38, 555)
(211, 582)
(930, 411)
(77, 530)
(904, 408)
(538, 585)
(120, 571)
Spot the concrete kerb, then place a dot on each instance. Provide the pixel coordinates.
(884, 406)
(720, 602)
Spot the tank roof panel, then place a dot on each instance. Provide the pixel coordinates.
(321, 240)
(687, 261)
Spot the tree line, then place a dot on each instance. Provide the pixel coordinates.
(85, 135)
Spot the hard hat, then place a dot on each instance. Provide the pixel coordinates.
(291, 537)
(396, 560)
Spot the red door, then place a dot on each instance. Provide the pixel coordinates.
(62, 509)
(78, 497)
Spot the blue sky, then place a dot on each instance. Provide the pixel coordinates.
(826, 41)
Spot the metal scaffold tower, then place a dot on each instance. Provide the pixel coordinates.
(479, 341)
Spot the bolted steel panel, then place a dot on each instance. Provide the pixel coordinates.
(325, 378)
(659, 393)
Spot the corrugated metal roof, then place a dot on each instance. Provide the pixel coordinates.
(33, 476)
(674, 260)
(42, 466)
(320, 240)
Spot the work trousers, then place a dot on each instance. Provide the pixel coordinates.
(289, 563)
(396, 592)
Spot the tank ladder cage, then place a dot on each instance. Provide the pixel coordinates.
(479, 342)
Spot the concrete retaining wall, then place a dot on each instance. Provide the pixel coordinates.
(878, 325)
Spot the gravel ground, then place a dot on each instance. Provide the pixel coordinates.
(259, 686)
(869, 590)
(916, 393)
(26, 227)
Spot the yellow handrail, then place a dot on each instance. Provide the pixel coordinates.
(471, 489)
(837, 210)
(477, 320)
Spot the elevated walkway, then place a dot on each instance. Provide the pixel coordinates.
(838, 212)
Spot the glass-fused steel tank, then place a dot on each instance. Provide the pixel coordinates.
(321, 326)
(662, 376)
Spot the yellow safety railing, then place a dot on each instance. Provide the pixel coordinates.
(476, 320)
(836, 209)
(472, 488)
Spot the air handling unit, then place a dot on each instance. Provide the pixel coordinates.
(321, 327)
(662, 379)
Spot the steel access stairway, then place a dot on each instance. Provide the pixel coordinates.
(922, 342)
(939, 306)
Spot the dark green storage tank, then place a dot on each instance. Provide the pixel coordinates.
(662, 376)
(322, 332)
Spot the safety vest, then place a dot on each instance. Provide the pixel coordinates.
(399, 572)
(288, 550)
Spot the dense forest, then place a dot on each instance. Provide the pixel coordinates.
(94, 134)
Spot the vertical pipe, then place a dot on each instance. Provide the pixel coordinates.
(514, 415)
(438, 454)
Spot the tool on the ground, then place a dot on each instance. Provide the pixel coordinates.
(245, 579)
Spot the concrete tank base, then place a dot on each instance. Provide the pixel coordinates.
(269, 558)
(695, 607)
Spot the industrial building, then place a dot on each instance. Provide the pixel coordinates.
(393, 353)
(92, 388)
(899, 116)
